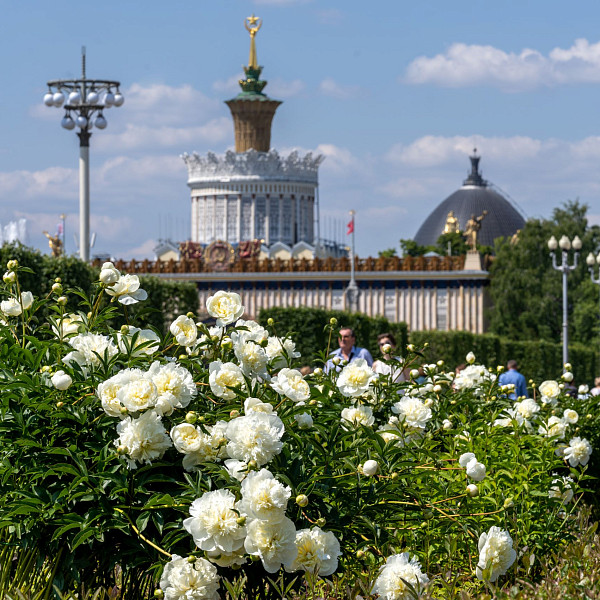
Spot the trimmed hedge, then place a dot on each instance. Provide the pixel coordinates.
(538, 360)
(308, 325)
(166, 299)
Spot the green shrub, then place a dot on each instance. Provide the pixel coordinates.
(538, 359)
(308, 327)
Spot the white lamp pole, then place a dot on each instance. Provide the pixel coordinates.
(591, 261)
(565, 245)
(86, 99)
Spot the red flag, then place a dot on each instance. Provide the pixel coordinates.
(350, 227)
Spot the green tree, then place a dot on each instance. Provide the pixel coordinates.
(526, 291)
(458, 246)
(387, 253)
(411, 248)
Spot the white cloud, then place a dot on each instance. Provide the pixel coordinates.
(230, 85)
(143, 250)
(338, 160)
(330, 87)
(433, 150)
(468, 65)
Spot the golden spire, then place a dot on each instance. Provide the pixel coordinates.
(251, 26)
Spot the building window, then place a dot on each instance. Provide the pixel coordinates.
(442, 309)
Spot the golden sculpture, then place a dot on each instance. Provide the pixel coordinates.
(55, 244)
(451, 223)
(472, 229)
(515, 238)
(253, 30)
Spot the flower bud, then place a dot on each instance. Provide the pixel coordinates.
(252, 465)
(201, 419)
(302, 500)
(567, 366)
(46, 369)
(227, 344)
(437, 388)
(89, 315)
(124, 329)
(370, 468)
(62, 300)
(57, 288)
(360, 554)
(159, 594)
(58, 280)
(61, 380)
(123, 410)
(386, 348)
(509, 503)
(567, 376)
(333, 321)
(410, 347)
(109, 276)
(12, 264)
(270, 322)
(234, 414)
(60, 404)
(182, 357)
(394, 476)
(320, 522)
(470, 358)
(414, 373)
(426, 345)
(191, 559)
(9, 277)
(472, 490)
(121, 449)
(190, 315)
(440, 363)
(318, 372)
(447, 424)
(191, 417)
(241, 521)
(336, 360)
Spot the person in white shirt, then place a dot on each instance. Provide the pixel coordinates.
(383, 368)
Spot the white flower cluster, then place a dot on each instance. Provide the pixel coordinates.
(496, 554)
(474, 469)
(398, 571)
(473, 377)
(124, 288)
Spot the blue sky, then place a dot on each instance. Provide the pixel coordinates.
(394, 94)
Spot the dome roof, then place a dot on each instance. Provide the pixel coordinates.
(502, 218)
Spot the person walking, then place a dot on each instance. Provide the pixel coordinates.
(512, 376)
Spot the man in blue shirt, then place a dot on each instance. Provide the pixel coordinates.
(512, 376)
(347, 350)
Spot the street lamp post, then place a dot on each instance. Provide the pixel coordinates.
(565, 245)
(84, 101)
(591, 261)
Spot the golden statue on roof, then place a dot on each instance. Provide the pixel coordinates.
(451, 225)
(253, 24)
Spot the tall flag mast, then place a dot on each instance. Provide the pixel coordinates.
(352, 289)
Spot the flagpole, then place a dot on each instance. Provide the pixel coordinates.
(352, 289)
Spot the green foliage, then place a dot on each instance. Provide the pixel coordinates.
(526, 291)
(308, 326)
(411, 248)
(388, 253)
(538, 360)
(458, 246)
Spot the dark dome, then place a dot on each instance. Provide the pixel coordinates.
(473, 198)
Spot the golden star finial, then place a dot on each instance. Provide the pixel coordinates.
(252, 20)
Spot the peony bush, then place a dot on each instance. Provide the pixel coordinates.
(203, 464)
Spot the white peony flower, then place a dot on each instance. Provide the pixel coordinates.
(256, 405)
(583, 389)
(61, 380)
(370, 468)
(412, 413)
(211, 446)
(107, 391)
(304, 420)
(570, 416)
(496, 553)
(318, 552)
(109, 275)
(11, 307)
(144, 438)
(184, 330)
(142, 336)
(472, 377)
(472, 490)
(527, 408)
(549, 391)
(223, 376)
(174, 385)
(252, 331)
(475, 470)
(69, 324)
(237, 469)
(280, 350)
(256, 436)
(393, 576)
(356, 378)
(567, 376)
(182, 580)
(275, 543)
(186, 438)
(466, 458)
(358, 415)
(291, 384)
(252, 358)
(226, 307)
(555, 427)
(90, 349)
(263, 497)
(127, 290)
(137, 392)
(578, 452)
(561, 490)
(214, 523)
(26, 300)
